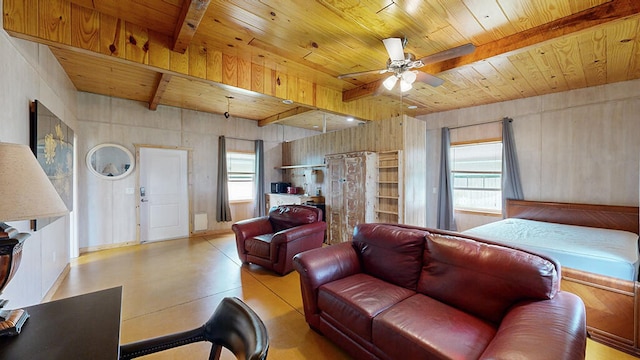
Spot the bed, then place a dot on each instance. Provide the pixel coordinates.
(597, 246)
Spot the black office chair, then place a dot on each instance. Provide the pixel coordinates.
(233, 325)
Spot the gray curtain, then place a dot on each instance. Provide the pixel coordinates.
(260, 200)
(511, 185)
(223, 211)
(446, 220)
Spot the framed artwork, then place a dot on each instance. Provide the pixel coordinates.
(51, 141)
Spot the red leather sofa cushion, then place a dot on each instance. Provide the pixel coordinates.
(483, 279)
(424, 328)
(399, 261)
(259, 245)
(355, 300)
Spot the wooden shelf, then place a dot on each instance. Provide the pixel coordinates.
(388, 205)
(387, 212)
(284, 167)
(387, 197)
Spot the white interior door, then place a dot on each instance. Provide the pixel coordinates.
(164, 198)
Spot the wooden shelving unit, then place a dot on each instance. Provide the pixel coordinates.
(388, 204)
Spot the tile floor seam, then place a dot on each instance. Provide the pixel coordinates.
(182, 303)
(256, 278)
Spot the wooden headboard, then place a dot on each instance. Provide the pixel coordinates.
(600, 216)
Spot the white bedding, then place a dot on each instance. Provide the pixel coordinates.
(602, 251)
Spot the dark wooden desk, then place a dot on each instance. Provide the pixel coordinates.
(81, 327)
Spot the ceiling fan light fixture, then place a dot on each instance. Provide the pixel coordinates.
(409, 76)
(405, 86)
(390, 82)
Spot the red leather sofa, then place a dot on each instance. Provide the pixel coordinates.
(401, 292)
(271, 241)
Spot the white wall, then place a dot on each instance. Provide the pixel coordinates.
(576, 146)
(28, 72)
(108, 214)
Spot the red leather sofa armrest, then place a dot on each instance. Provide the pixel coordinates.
(547, 329)
(320, 266)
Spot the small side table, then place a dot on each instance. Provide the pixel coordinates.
(80, 327)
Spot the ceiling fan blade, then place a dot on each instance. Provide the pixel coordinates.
(379, 71)
(394, 48)
(429, 79)
(448, 54)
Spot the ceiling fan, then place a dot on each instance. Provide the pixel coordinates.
(401, 64)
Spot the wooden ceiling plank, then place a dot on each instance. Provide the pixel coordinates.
(507, 69)
(163, 83)
(593, 52)
(54, 21)
(569, 61)
(190, 17)
(158, 16)
(491, 78)
(491, 17)
(285, 32)
(634, 67)
(283, 115)
(86, 32)
(546, 60)
(584, 20)
(619, 40)
(524, 63)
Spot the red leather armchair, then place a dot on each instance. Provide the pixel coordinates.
(272, 241)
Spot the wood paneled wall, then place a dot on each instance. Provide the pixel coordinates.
(575, 146)
(399, 133)
(104, 203)
(415, 172)
(372, 136)
(31, 72)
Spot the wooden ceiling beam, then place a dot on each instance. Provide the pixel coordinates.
(584, 20)
(163, 83)
(190, 17)
(283, 115)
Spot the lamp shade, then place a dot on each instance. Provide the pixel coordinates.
(390, 82)
(405, 86)
(25, 189)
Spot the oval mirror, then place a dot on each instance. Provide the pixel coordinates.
(110, 161)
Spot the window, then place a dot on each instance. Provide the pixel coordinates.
(477, 177)
(241, 173)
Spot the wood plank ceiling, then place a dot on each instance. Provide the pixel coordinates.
(246, 56)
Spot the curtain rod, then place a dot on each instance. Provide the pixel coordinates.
(234, 138)
(488, 122)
